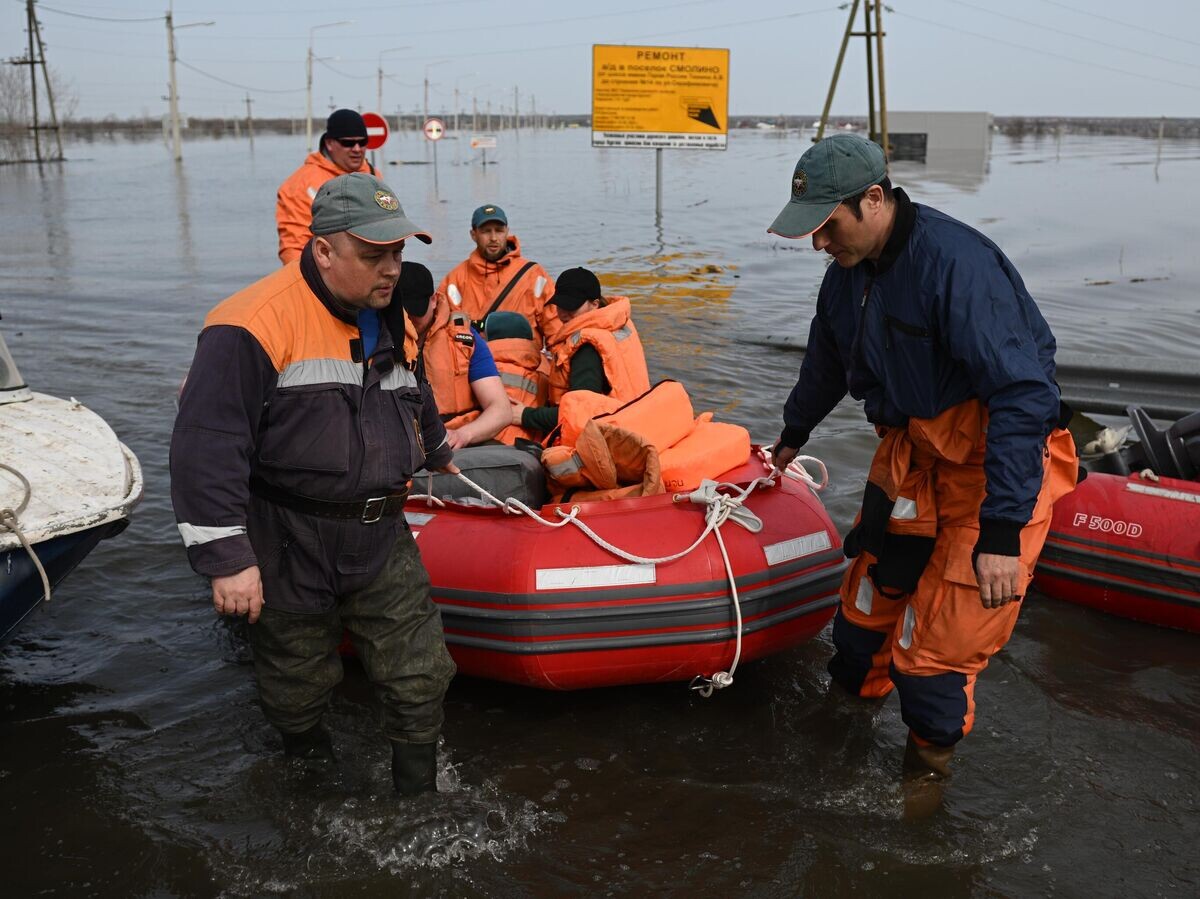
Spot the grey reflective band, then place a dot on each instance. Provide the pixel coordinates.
(397, 379)
(520, 382)
(195, 534)
(622, 332)
(570, 466)
(576, 337)
(308, 372)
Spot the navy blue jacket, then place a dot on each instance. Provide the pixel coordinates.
(941, 317)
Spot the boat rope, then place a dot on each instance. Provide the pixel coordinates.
(720, 507)
(10, 521)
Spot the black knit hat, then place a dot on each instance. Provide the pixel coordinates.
(575, 287)
(415, 288)
(345, 123)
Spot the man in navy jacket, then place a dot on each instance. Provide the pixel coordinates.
(929, 324)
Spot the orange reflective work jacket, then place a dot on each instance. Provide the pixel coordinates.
(610, 330)
(293, 202)
(446, 355)
(474, 284)
(688, 449)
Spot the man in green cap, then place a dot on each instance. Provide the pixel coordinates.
(929, 324)
(299, 428)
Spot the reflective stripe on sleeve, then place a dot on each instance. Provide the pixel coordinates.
(623, 332)
(195, 534)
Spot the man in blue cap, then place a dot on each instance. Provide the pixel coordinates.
(497, 277)
(929, 324)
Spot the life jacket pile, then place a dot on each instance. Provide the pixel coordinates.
(606, 449)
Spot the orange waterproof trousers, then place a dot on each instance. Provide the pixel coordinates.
(932, 643)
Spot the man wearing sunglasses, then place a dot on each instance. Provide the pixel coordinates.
(343, 148)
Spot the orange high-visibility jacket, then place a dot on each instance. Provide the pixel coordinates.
(293, 203)
(610, 330)
(473, 285)
(447, 357)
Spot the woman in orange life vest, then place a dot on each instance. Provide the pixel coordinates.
(456, 361)
(596, 349)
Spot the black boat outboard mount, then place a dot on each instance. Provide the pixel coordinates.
(1172, 452)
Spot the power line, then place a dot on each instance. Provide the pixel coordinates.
(79, 15)
(253, 90)
(1072, 34)
(1122, 23)
(340, 72)
(1081, 62)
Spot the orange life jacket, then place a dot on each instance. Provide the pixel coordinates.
(293, 206)
(525, 374)
(610, 330)
(473, 285)
(687, 449)
(447, 357)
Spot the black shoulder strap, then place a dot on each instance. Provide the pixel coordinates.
(503, 294)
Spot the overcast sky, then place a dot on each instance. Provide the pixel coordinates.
(1031, 57)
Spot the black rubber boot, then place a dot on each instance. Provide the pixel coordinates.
(312, 745)
(414, 768)
(923, 781)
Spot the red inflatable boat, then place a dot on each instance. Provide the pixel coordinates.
(1129, 543)
(549, 607)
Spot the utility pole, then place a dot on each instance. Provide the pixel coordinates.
(249, 120)
(474, 114)
(489, 114)
(516, 111)
(876, 101)
(176, 143)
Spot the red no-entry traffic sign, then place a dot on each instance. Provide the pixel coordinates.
(434, 129)
(377, 130)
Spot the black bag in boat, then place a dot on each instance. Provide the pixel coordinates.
(503, 471)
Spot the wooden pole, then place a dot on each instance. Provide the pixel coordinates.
(883, 126)
(837, 70)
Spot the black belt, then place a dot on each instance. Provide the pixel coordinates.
(367, 511)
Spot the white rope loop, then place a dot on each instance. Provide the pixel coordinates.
(10, 521)
(720, 508)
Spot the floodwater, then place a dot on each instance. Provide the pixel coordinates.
(134, 761)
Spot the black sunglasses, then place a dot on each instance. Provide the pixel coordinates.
(352, 141)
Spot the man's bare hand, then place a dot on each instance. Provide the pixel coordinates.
(781, 456)
(456, 438)
(517, 411)
(239, 594)
(450, 468)
(998, 579)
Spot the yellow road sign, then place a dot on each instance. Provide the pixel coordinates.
(673, 97)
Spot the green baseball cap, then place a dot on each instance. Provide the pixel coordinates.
(843, 165)
(364, 206)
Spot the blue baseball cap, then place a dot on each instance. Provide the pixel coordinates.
(488, 213)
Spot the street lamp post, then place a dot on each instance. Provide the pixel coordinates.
(308, 80)
(177, 144)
